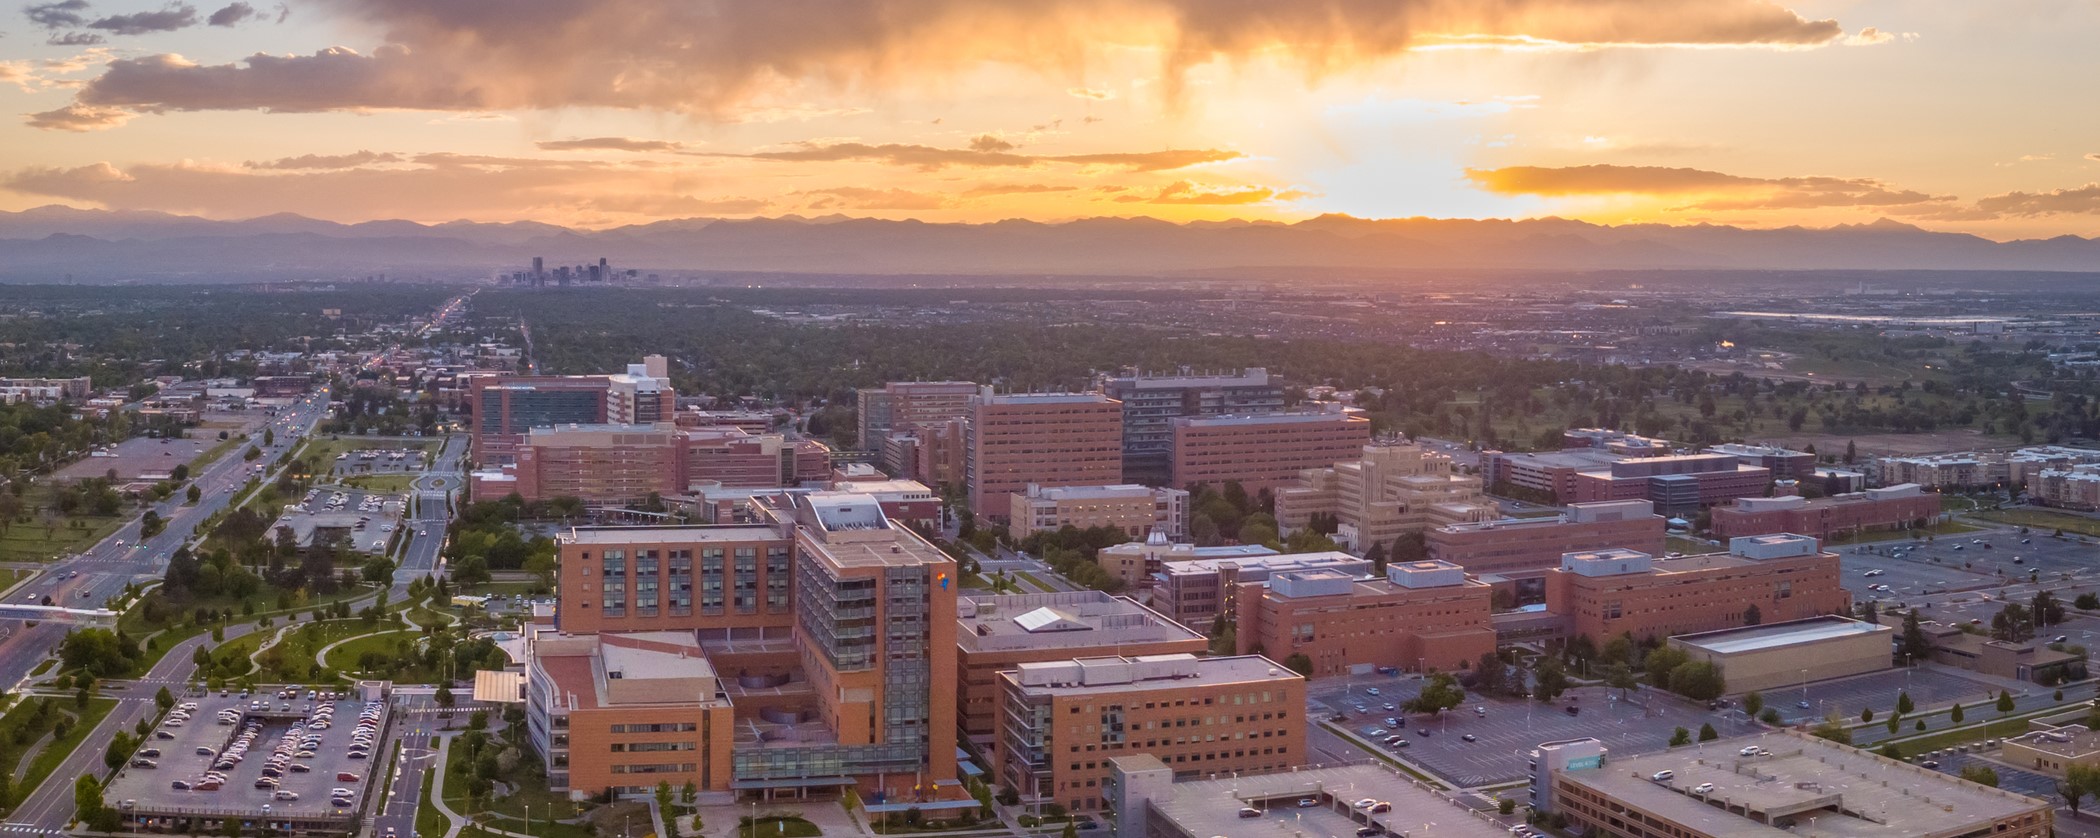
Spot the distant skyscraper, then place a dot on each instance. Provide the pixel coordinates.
(1151, 403)
(539, 270)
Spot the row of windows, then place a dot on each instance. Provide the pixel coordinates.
(662, 727)
(644, 747)
(663, 768)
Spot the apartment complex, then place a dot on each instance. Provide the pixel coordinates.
(1976, 469)
(1789, 783)
(1135, 562)
(1892, 507)
(608, 463)
(1060, 724)
(837, 624)
(1194, 593)
(906, 406)
(1606, 593)
(2076, 487)
(1390, 489)
(1049, 439)
(1531, 546)
(1137, 510)
(1153, 402)
(1420, 616)
(998, 633)
(1263, 452)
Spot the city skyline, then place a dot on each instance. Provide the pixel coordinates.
(1945, 115)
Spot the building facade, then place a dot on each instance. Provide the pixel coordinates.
(1153, 402)
(1263, 452)
(1893, 507)
(1678, 484)
(1606, 593)
(1137, 563)
(1531, 546)
(618, 464)
(1137, 510)
(904, 406)
(1390, 490)
(1048, 439)
(1195, 593)
(1421, 616)
(1061, 723)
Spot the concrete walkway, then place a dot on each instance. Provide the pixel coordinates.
(321, 657)
(437, 797)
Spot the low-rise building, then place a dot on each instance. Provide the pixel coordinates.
(1607, 593)
(627, 711)
(1421, 616)
(1152, 799)
(2025, 660)
(1778, 654)
(1892, 507)
(1001, 632)
(1785, 783)
(2053, 751)
(1678, 484)
(1194, 593)
(1136, 562)
(2076, 487)
(1530, 546)
(1784, 464)
(1137, 510)
(1061, 723)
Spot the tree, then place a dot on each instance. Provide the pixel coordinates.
(2013, 623)
(1549, 679)
(1904, 706)
(1071, 830)
(1707, 732)
(1698, 680)
(1916, 647)
(1753, 615)
(1440, 694)
(164, 699)
(1680, 738)
(1866, 715)
(119, 750)
(1299, 663)
(1619, 676)
(2088, 602)
(444, 695)
(2005, 702)
(1954, 714)
(193, 494)
(2078, 781)
(1490, 674)
(1976, 772)
(1753, 701)
(2047, 609)
(1376, 556)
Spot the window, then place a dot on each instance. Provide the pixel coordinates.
(615, 576)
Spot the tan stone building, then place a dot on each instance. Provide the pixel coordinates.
(1780, 654)
(1390, 490)
(1138, 511)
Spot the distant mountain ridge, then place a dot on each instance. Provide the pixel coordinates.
(51, 243)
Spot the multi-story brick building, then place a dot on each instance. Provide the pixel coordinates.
(1390, 490)
(1153, 403)
(1784, 464)
(1678, 484)
(833, 630)
(1531, 546)
(1061, 723)
(1264, 452)
(1194, 593)
(1002, 632)
(506, 407)
(624, 463)
(1606, 593)
(1892, 507)
(1420, 616)
(1137, 510)
(1547, 474)
(2077, 487)
(906, 406)
(1049, 439)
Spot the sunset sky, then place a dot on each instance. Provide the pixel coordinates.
(1949, 114)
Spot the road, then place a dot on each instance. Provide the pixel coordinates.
(417, 719)
(430, 515)
(99, 574)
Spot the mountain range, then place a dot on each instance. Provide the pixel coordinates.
(57, 244)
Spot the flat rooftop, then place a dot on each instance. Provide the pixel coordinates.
(1849, 792)
(1243, 669)
(2069, 741)
(1047, 398)
(1118, 491)
(1271, 561)
(1327, 417)
(668, 535)
(1577, 458)
(1080, 619)
(1779, 635)
(1211, 807)
(180, 760)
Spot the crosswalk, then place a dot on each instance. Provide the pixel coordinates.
(28, 829)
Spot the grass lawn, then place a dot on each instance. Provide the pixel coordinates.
(1688, 546)
(56, 752)
(291, 661)
(1998, 729)
(1940, 528)
(344, 658)
(28, 542)
(393, 482)
(2041, 520)
(430, 821)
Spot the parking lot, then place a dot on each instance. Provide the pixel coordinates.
(2010, 779)
(1510, 728)
(379, 461)
(382, 513)
(137, 456)
(202, 744)
(1847, 696)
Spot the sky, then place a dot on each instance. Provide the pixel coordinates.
(1953, 115)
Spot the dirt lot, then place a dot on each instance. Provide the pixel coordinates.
(139, 455)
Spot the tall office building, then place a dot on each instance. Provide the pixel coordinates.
(904, 406)
(1262, 452)
(1152, 402)
(506, 407)
(1048, 439)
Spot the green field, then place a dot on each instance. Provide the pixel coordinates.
(31, 541)
(392, 483)
(57, 750)
(344, 658)
(2041, 520)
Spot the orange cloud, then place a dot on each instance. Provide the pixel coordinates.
(1188, 194)
(1705, 190)
(985, 151)
(2083, 200)
(717, 58)
(609, 144)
